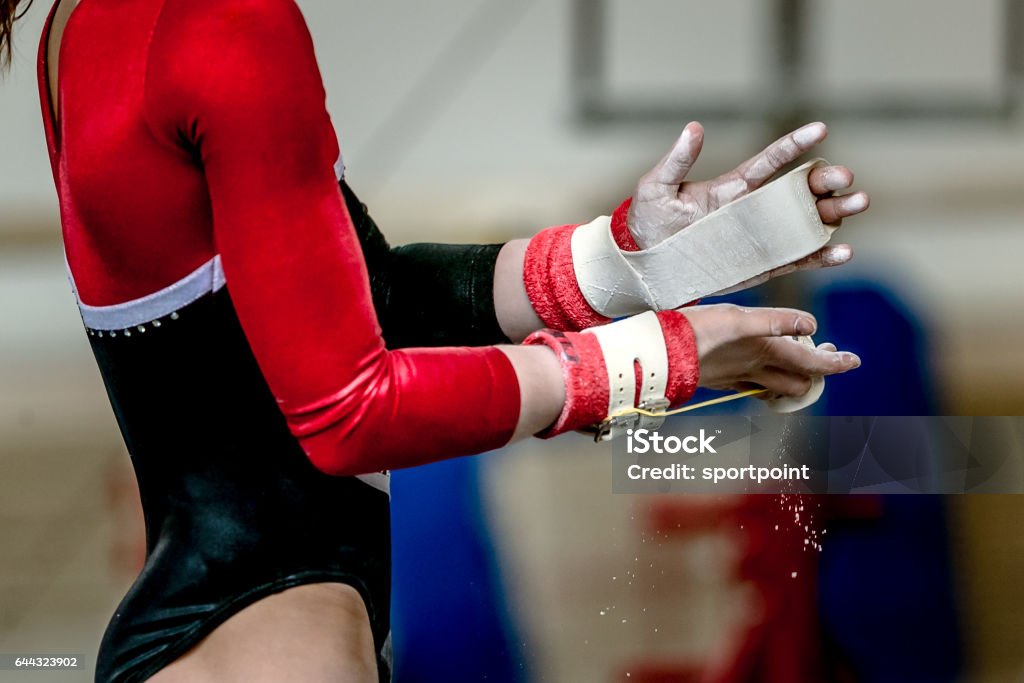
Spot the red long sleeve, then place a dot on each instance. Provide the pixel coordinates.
(232, 111)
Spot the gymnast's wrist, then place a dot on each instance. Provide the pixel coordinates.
(647, 362)
(549, 274)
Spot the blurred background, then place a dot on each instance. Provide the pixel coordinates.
(483, 120)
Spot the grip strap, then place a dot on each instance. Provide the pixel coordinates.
(633, 352)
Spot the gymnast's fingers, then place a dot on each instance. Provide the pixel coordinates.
(729, 323)
(780, 382)
(791, 355)
(672, 169)
(834, 209)
(760, 168)
(826, 257)
(826, 179)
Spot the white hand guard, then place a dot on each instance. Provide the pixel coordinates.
(775, 225)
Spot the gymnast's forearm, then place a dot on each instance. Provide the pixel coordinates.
(512, 307)
(428, 294)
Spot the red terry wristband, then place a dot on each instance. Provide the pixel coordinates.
(620, 227)
(551, 282)
(550, 278)
(683, 361)
(585, 375)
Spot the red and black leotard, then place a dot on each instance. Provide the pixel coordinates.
(220, 278)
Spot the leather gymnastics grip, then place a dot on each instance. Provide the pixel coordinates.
(770, 227)
(647, 361)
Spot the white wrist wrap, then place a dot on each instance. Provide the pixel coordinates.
(771, 227)
(637, 340)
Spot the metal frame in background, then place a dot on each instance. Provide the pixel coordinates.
(593, 105)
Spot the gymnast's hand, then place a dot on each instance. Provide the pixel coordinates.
(665, 202)
(747, 348)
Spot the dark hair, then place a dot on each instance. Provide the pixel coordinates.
(8, 15)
